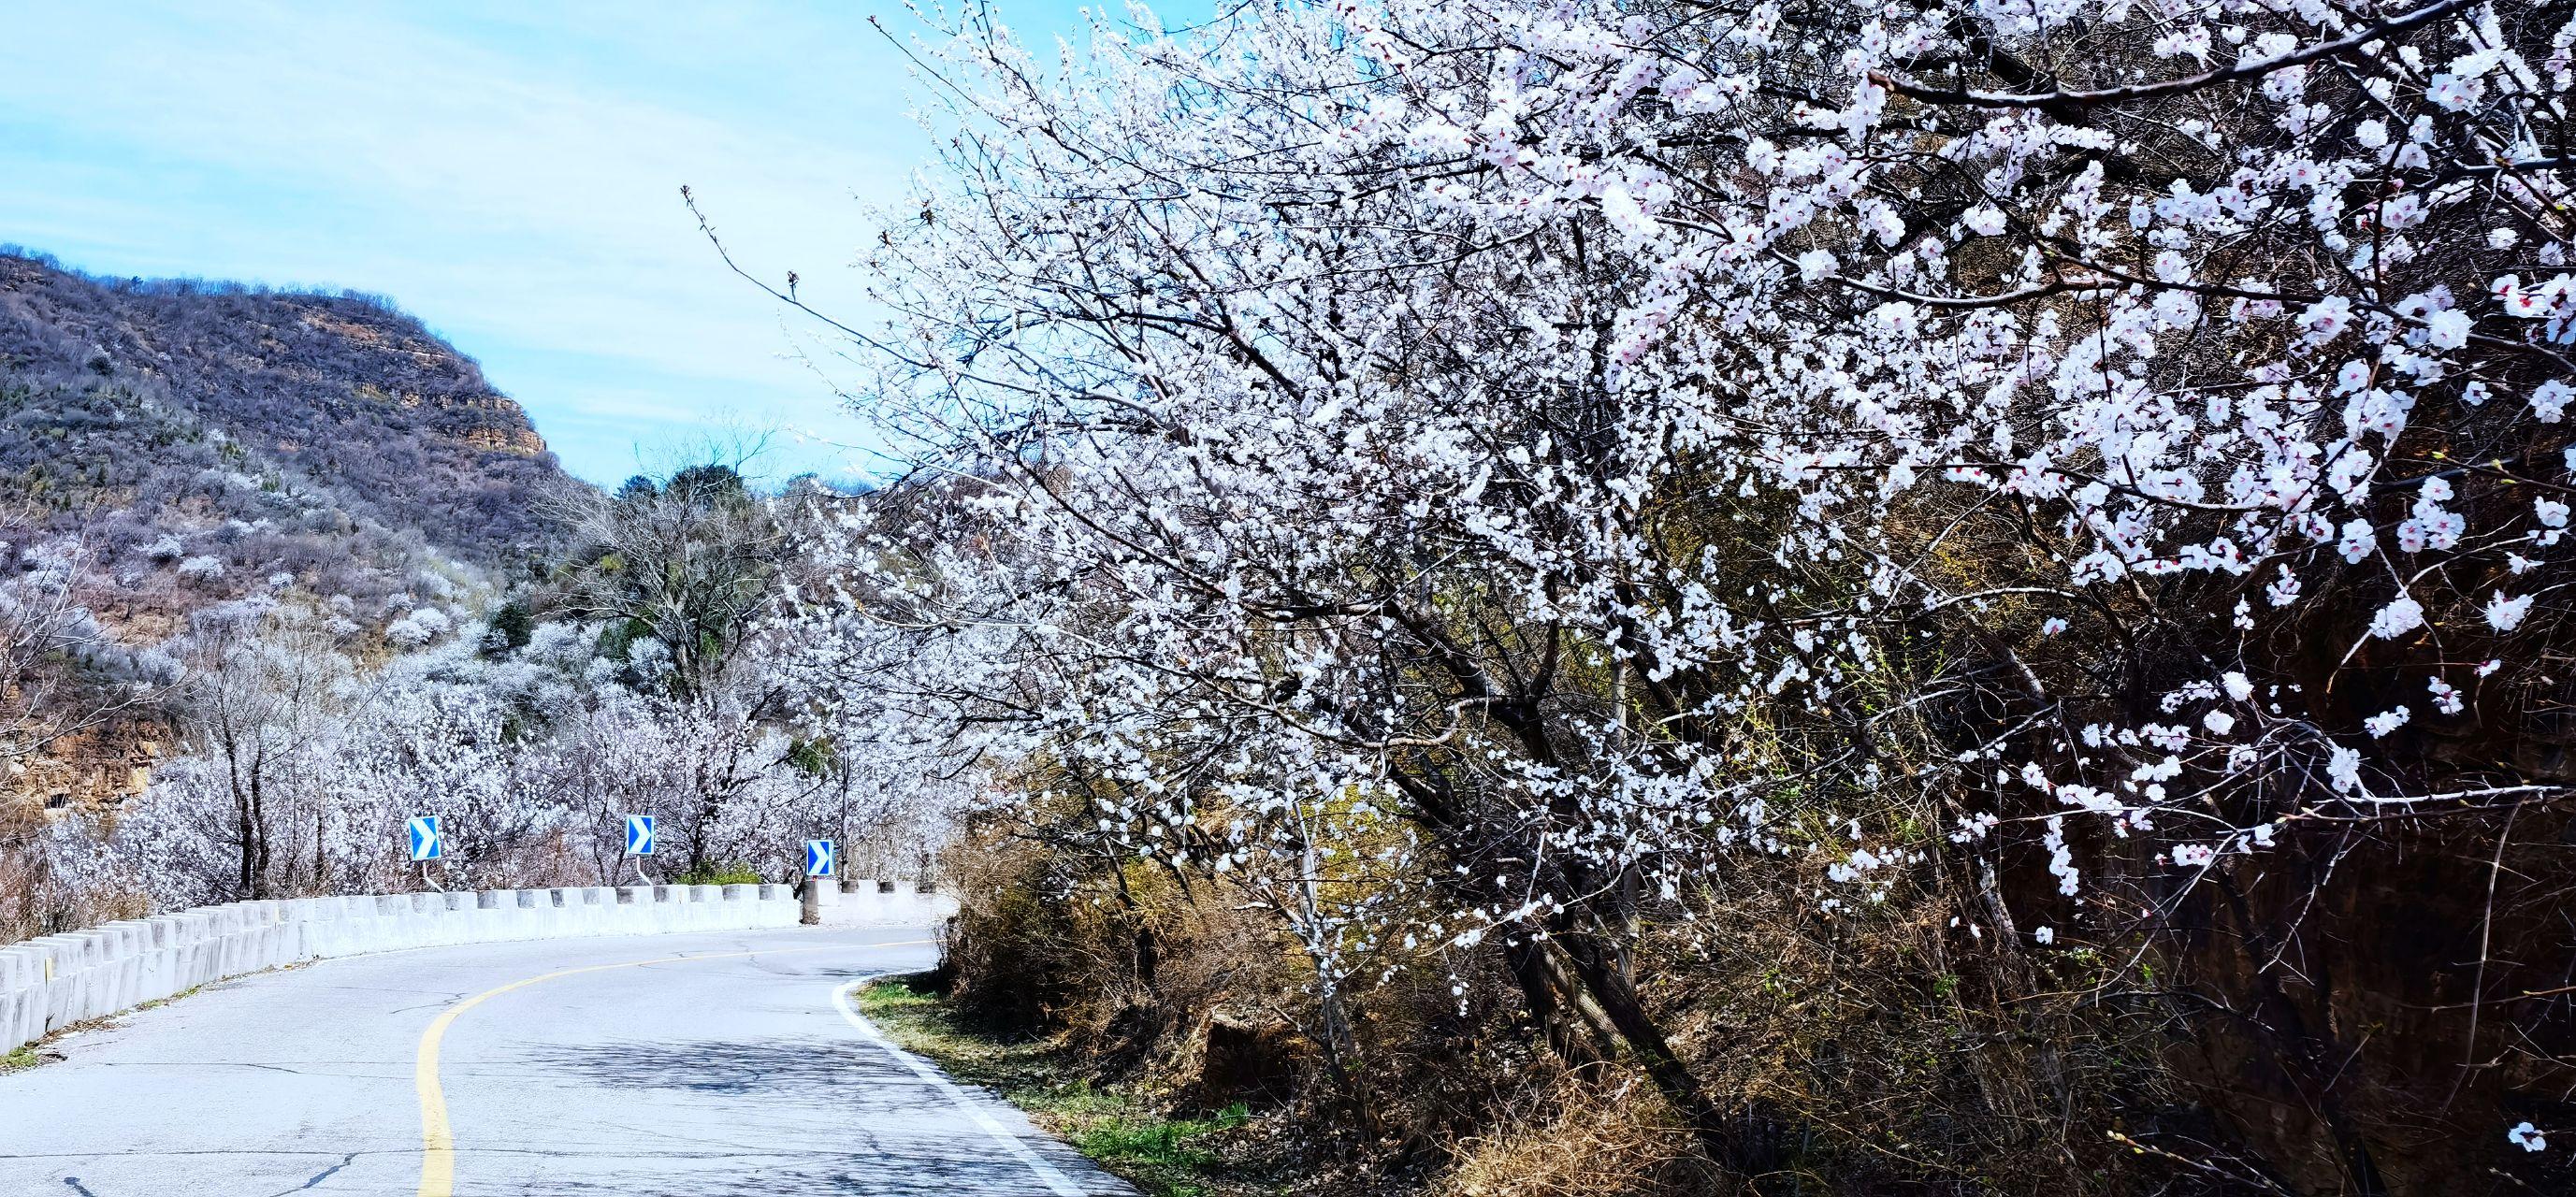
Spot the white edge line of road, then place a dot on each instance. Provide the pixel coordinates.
(1054, 1177)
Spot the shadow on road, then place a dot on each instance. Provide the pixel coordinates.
(844, 1075)
(856, 1175)
(911, 1141)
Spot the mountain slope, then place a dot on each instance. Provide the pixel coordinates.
(341, 393)
(169, 447)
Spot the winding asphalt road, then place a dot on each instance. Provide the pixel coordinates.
(647, 1066)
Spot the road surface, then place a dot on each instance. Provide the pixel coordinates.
(647, 1066)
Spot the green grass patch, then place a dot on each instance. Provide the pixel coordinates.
(21, 1060)
(1166, 1157)
(728, 873)
(157, 1003)
(1161, 1147)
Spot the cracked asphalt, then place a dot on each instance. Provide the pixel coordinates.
(731, 1074)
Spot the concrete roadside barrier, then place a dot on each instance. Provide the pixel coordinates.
(880, 903)
(52, 982)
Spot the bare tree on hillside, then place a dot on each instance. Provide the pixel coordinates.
(261, 694)
(61, 673)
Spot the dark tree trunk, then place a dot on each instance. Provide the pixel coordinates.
(1745, 1140)
(1564, 1032)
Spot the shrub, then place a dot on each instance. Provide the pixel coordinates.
(727, 873)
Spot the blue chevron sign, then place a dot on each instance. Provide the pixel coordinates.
(426, 842)
(639, 835)
(822, 858)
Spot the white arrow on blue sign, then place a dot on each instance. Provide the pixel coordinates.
(821, 858)
(639, 835)
(426, 842)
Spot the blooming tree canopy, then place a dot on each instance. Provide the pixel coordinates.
(1478, 470)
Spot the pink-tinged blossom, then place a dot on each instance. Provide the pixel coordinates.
(1881, 219)
(2446, 330)
(2400, 616)
(2284, 588)
(2411, 536)
(2446, 697)
(1628, 215)
(2505, 614)
(2455, 93)
(2549, 401)
(2326, 319)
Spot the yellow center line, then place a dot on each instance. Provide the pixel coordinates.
(438, 1135)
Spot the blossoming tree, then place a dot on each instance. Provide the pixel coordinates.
(1483, 473)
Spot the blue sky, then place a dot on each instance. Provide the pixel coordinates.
(508, 172)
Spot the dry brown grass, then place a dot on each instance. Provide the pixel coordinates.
(35, 899)
(1575, 1138)
(1890, 1050)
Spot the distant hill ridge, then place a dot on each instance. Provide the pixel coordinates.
(343, 392)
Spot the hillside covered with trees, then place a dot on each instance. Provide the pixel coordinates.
(279, 570)
(167, 446)
(172, 450)
(141, 396)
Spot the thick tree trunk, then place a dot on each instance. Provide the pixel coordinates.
(245, 818)
(1745, 1140)
(260, 838)
(1557, 1023)
(1566, 973)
